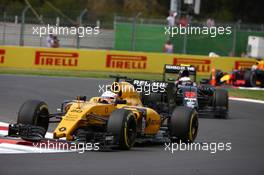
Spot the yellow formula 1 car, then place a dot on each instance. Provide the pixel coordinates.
(116, 121)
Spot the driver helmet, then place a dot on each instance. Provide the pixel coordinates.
(184, 77)
(184, 73)
(109, 96)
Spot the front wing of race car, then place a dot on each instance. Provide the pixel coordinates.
(34, 133)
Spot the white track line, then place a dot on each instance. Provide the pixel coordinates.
(3, 133)
(251, 88)
(246, 100)
(4, 124)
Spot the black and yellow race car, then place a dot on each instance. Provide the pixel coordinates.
(179, 88)
(119, 121)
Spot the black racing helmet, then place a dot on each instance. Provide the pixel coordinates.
(184, 73)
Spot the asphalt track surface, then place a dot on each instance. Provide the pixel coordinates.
(244, 129)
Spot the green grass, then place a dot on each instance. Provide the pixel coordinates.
(253, 94)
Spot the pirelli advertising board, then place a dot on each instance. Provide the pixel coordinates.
(110, 61)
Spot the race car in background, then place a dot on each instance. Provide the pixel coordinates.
(203, 98)
(247, 77)
(117, 118)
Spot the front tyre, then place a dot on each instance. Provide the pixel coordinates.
(34, 113)
(122, 124)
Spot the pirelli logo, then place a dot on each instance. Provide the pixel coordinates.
(2, 56)
(244, 64)
(201, 65)
(59, 59)
(126, 62)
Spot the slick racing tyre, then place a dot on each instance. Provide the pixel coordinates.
(35, 113)
(183, 124)
(122, 124)
(220, 100)
(250, 78)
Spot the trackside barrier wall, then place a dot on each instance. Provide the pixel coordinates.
(110, 60)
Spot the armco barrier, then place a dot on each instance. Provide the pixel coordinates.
(106, 60)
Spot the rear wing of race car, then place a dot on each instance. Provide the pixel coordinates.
(141, 84)
(145, 87)
(176, 69)
(148, 85)
(163, 91)
(160, 91)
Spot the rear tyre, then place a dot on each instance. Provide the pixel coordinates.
(220, 101)
(35, 113)
(122, 124)
(183, 125)
(250, 78)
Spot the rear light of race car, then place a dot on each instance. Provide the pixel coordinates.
(190, 94)
(239, 82)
